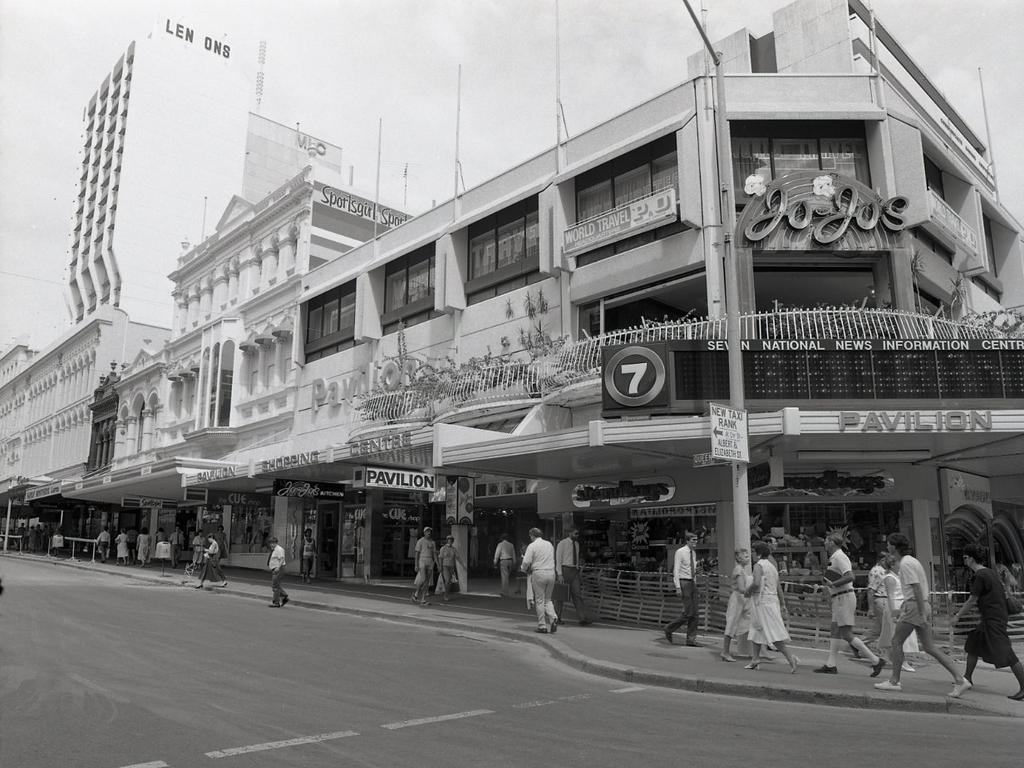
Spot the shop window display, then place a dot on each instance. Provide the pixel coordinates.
(797, 532)
(251, 522)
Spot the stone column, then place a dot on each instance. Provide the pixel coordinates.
(287, 250)
(130, 433)
(193, 307)
(220, 290)
(268, 276)
(205, 298)
(233, 281)
(252, 270)
(148, 415)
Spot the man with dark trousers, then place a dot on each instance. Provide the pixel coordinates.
(567, 574)
(684, 575)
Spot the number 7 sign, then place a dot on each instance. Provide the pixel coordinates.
(635, 376)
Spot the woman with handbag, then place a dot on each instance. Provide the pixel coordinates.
(989, 639)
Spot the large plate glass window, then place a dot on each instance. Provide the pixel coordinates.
(504, 251)
(330, 322)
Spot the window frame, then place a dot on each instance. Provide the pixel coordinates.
(605, 175)
(525, 214)
(344, 335)
(404, 265)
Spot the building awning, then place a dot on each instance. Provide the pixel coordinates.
(153, 480)
(987, 443)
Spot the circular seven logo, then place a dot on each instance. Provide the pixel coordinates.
(634, 376)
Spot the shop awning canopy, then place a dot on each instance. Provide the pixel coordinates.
(988, 443)
(153, 480)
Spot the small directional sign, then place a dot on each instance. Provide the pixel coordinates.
(729, 433)
(706, 460)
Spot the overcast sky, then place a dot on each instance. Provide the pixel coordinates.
(336, 66)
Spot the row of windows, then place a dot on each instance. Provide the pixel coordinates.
(771, 158)
(503, 248)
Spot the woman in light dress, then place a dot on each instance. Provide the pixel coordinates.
(144, 547)
(737, 613)
(122, 547)
(767, 609)
(894, 591)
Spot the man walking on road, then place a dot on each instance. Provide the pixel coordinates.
(505, 561)
(426, 565)
(915, 616)
(275, 562)
(684, 576)
(103, 544)
(839, 581)
(567, 573)
(539, 565)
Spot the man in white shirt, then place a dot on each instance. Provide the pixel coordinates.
(275, 562)
(567, 573)
(426, 565)
(839, 581)
(505, 562)
(539, 565)
(915, 616)
(684, 575)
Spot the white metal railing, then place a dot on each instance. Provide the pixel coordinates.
(403, 405)
(581, 360)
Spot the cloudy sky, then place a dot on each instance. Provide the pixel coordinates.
(337, 66)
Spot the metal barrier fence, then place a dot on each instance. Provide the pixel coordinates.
(650, 600)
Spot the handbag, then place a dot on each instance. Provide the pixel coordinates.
(1013, 605)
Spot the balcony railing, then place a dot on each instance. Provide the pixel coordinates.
(508, 379)
(944, 216)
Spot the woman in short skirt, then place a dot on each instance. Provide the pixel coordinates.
(768, 605)
(737, 613)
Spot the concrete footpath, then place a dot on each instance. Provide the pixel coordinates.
(625, 653)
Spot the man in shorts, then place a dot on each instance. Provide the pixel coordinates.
(839, 581)
(915, 616)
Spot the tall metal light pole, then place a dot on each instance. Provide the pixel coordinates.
(727, 225)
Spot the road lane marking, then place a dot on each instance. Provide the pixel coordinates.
(530, 704)
(234, 751)
(154, 764)
(630, 689)
(438, 719)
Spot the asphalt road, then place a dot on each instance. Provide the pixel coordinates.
(100, 672)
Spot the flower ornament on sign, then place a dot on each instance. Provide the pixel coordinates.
(755, 185)
(824, 186)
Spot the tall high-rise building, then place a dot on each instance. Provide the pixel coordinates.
(163, 148)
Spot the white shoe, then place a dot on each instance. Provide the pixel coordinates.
(889, 685)
(907, 667)
(960, 688)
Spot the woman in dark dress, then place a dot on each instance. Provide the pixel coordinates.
(989, 639)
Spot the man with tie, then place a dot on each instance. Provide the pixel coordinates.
(567, 573)
(684, 574)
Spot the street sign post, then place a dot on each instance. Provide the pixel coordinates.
(729, 433)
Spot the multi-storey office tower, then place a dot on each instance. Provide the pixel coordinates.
(162, 146)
